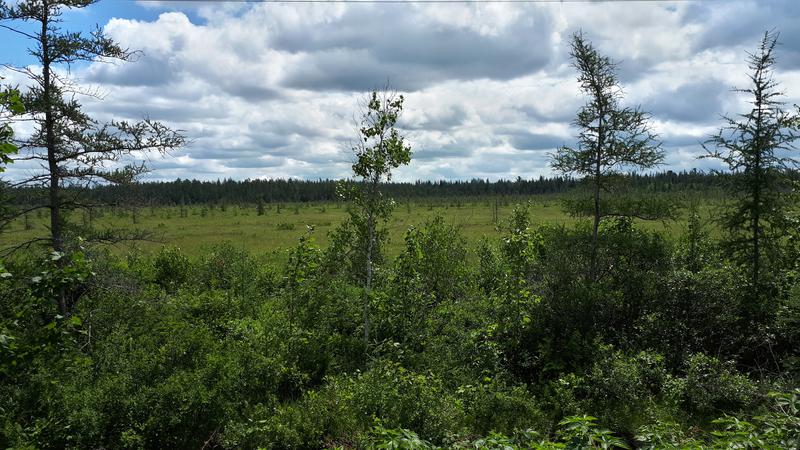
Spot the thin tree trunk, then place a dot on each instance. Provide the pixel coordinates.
(368, 281)
(56, 232)
(756, 225)
(595, 228)
(49, 123)
(370, 249)
(597, 217)
(756, 230)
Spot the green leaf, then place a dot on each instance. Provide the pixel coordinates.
(7, 148)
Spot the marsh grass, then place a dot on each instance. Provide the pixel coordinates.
(281, 225)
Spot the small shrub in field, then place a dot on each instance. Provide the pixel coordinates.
(227, 267)
(171, 268)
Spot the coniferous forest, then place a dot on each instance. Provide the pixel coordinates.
(602, 333)
(249, 192)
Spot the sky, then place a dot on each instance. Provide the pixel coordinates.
(272, 90)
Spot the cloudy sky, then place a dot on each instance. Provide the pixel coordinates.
(272, 89)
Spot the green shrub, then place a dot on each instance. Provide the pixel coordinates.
(711, 385)
(227, 267)
(621, 388)
(492, 406)
(434, 262)
(171, 268)
(402, 398)
(696, 312)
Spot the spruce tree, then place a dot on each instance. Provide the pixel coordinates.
(611, 137)
(73, 148)
(758, 148)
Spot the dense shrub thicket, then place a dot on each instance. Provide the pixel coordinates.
(506, 345)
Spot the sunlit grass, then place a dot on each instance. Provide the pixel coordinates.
(282, 224)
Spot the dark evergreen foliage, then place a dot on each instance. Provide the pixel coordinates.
(71, 148)
(611, 137)
(250, 192)
(758, 146)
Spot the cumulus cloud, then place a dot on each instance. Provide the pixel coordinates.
(700, 101)
(411, 48)
(525, 140)
(273, 90)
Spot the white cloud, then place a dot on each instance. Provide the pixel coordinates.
(270, 90)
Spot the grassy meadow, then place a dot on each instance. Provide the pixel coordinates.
(195, 228)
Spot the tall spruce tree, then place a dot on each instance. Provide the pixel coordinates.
(758, 148)
(72, 148)
(611, 137)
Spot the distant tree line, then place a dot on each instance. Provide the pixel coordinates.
(189, 192)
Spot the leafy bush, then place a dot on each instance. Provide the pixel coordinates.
(509, 346)
(622, 388)
(711, 385)
(171, 268)
(778, 427)
(402, 398)
(227, 267)
(696, 312)
(434, 262)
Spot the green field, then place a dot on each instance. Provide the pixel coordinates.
(279, 228)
